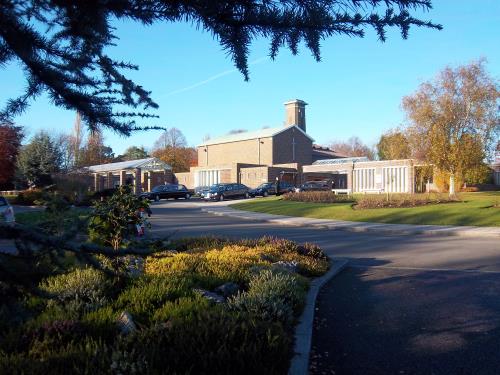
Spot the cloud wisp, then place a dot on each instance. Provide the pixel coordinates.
(214, 77)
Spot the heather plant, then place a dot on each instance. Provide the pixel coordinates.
(213, 341)
(148, 293)
(274, 296)
(179, 326)
(184, 307)
(87, 286)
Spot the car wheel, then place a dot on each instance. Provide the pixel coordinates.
(157, 198)
(247, 195)
(188, 196)
(221, 197)
(265, 194)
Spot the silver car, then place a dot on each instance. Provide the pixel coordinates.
(6, 211)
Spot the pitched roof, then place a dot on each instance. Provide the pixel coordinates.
(261, 133)
(147, 163)
(320, 152)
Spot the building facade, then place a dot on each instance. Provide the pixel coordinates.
(252, 158)
(360, 175)
(141, 174)
(288, 153)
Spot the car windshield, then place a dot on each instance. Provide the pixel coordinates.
(266, 185)
(158, 188)
(216, 187)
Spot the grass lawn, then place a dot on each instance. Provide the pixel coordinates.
(38, 217)
(475, 209)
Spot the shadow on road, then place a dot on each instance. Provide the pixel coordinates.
(387, 321)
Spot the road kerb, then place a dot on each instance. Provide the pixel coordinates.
(303, 332)
(358, 227)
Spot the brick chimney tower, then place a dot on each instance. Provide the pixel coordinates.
(295, 113)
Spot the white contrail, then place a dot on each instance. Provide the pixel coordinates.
(214, 77)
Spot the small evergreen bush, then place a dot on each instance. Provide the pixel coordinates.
(28, 197)
(114, 219)
(273, 296)
(88, 286)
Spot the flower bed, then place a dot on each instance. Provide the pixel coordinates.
(201, 306)
(318, 197)
(401, 200)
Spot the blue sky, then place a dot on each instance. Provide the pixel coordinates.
(355, 90)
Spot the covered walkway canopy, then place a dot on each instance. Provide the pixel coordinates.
(142, 174)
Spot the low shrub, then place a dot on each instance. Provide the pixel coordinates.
(149, 293)
(88, 286)
(273, 296)
(215, 341)
(401, 200)
(114, 220)
(184, 307)
(72, 327)
(210, 268)
(318, 197)
(206, 242)
(29, 197)
(83, 355)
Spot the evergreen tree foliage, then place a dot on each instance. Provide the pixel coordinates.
(133, 153)
(39, 159)
(10, 143)
(62, 45)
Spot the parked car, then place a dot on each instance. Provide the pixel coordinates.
(269, 188)
(6, 211)
(314, 186)
(167, 191)
(200, 190)
(219, 192)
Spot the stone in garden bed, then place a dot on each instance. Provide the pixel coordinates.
(126, 323)
(228, 289)
(211, 296)
(291, 266)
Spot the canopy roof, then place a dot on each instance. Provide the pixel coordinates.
(341, 161)
(148, 164)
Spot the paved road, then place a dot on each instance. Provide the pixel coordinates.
(406, 304)
(419, 252)
(7, 246)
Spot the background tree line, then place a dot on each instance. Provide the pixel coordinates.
(452, 122)
(34, 163)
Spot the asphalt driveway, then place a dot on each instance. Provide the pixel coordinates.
(405, 305)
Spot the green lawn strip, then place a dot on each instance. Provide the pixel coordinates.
(475, 209)
(34, 218)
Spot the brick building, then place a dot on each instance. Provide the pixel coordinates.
(288, 152)
(257, 156)
(141, 174)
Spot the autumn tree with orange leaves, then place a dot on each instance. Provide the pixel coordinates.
(454, 119)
